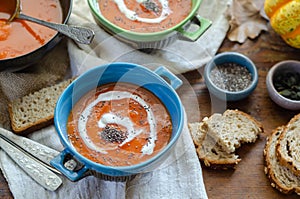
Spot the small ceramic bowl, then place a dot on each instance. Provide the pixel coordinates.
(282, 68)
(225, 58)
(153, 81)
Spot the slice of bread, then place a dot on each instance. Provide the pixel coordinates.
(281, 177)
(35, 110)
(288, 146)
(233, 128)
(209, 152)
(216, 138)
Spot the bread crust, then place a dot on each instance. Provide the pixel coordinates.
(257, 123)
(39, 124)
(35, 110)
(210, 151)
(270, 169)
(285, 146)
(233, 128)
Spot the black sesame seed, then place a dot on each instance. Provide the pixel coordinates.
(231, 76)
(113, 135)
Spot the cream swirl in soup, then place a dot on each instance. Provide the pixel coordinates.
(132, 15)
(113, 118)
(145, 15)
(119, 124)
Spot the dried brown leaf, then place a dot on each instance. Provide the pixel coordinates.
(246, 20)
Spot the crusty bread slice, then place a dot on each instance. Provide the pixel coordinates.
(280, 176)
(208, 151)
(217, 137)
(35, 110)
(233, 128)
(288, 147)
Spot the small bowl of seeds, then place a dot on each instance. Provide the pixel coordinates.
(283, 84)
(230, 76)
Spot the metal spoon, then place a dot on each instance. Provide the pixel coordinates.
(36, 166)
(79, 34)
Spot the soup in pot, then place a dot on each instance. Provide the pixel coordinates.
(145, 15)
(119, 124)
(21, 37)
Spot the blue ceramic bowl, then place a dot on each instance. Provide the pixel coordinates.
(230, 57)
(280, 68)
(154, 81)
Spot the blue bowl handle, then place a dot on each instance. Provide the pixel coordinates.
(58, 163)
(174, 81)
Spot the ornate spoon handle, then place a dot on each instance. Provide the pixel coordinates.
(79, 34)
(37, 151)
(37, 171)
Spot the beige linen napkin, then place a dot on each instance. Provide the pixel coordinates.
(180, 176)
(179, 57)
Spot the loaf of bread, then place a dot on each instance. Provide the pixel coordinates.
(35, 110)
(217, 137)
(209, 152)
(281, 177)
(288, 146)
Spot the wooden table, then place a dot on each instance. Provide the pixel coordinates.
(248, 180)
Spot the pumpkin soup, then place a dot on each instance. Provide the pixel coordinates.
(21, 37)
(119, 125)
(145, 15)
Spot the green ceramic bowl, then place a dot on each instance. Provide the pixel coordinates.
(155, 39)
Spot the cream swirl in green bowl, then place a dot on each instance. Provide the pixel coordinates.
(158, 38)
